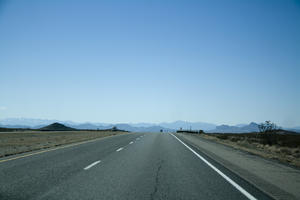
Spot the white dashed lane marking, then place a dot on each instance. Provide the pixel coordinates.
(92, 165)
(120, 149)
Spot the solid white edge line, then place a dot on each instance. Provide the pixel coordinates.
(120, 149)
(234, 184)
(92, 165)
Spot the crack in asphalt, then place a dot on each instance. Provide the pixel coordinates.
(156, 180)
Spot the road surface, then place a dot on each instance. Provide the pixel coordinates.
(132, 166)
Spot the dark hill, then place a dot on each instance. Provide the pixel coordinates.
(57, 127)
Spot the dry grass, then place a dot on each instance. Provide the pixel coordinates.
(286, 148)
(23, 141)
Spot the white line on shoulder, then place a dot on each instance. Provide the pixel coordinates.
(234, 184)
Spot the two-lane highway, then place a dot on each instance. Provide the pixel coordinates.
(132, 166)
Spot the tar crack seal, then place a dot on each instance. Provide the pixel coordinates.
(156, 180)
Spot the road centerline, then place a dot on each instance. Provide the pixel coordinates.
(92, 165)
(234, 184)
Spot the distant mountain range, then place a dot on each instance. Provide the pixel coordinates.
(188, 125)
(136, 127)
(133, 127)
(57, 127)
(39, 123)
(29, 122)
(252, 127)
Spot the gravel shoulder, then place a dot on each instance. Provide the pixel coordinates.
(278, 180)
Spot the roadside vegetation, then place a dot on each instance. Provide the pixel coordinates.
(271, 142)
(14, 141)
(278, 144)
(24, 141)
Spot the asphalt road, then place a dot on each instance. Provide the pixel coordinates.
(132, 166)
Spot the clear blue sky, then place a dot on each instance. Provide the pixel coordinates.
(225, 62)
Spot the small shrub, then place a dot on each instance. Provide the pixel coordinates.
(222, 137)
(296, 155)
(296, 150)
(269, 138)
(234, 139)
(286, 151)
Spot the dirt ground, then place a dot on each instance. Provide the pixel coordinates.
(289, 155)
(24, 141)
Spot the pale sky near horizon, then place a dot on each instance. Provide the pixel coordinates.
(222, 62)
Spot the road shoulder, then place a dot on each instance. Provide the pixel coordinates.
(277, 180)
